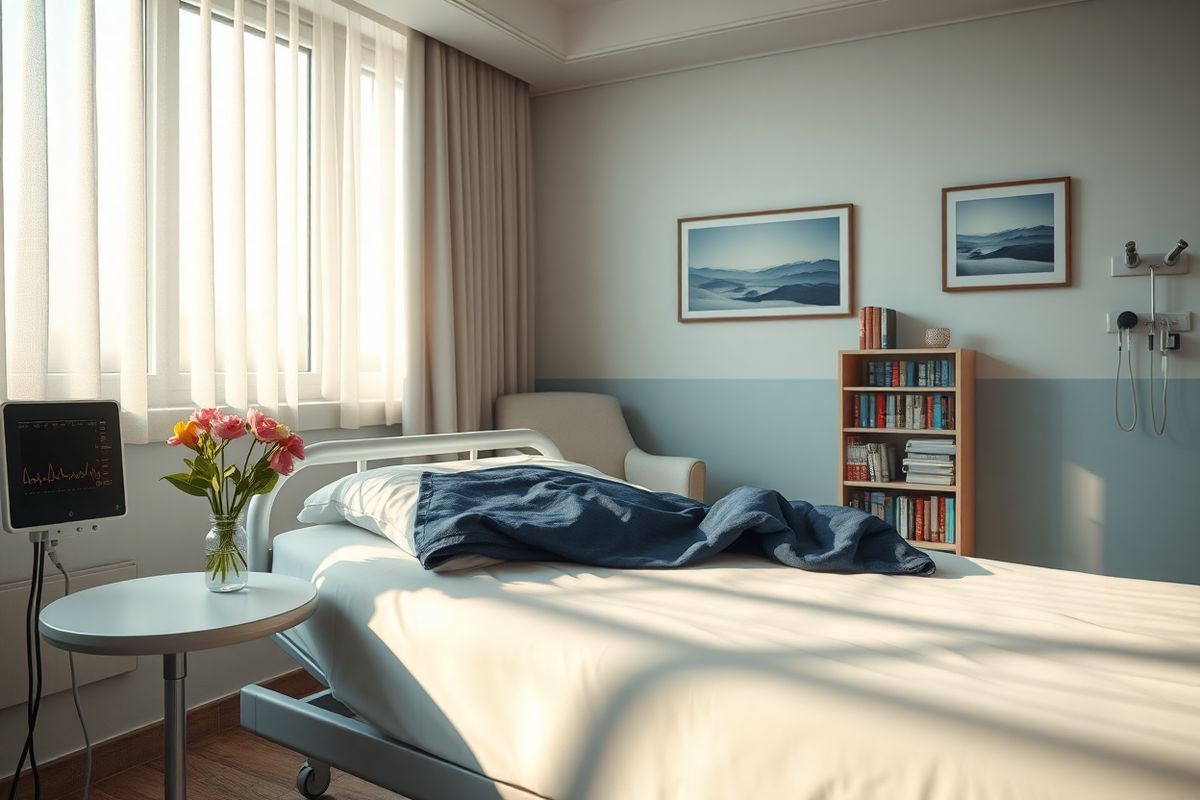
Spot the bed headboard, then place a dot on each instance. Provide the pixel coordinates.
(361, 451)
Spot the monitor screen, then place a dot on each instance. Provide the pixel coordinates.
(62, 463)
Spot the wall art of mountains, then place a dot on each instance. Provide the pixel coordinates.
(799, 283)
(1017, 251)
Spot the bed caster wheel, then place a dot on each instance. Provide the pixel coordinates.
(312, 781)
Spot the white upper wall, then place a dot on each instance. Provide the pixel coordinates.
(1106, 92)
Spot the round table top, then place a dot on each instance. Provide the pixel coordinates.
(174, 614)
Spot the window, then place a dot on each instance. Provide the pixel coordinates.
(226, 140)
(253, 293)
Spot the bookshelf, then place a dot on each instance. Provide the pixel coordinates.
(956, 416)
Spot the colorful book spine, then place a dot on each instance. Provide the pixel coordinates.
(950, 524)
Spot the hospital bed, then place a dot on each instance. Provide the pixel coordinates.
(736, 679)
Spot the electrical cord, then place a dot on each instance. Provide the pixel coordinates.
(1124, 342)
(87, 742)
(33, 673)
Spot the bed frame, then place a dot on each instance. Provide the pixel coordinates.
(327, 732)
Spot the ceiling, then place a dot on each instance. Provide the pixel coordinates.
(557, 45)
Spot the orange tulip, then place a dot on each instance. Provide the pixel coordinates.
(186, 433)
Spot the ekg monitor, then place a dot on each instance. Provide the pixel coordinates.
(63, 465)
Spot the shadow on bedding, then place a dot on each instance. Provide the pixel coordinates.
(823, 667)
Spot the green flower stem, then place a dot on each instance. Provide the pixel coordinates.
(225, 558)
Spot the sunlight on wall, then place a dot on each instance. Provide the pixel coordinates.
(1083, 518)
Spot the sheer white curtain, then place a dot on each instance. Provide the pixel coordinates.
(250, 223)
(73, 204)
(272, 215)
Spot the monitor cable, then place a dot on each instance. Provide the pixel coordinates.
(87, 742)
(33, 672)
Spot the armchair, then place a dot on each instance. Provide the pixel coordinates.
(590, 429)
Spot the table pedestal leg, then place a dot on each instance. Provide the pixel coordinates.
(175, 726)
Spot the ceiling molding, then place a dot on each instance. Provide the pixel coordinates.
(557, 47)
(798, 48)
(719, 28)
(503, 26)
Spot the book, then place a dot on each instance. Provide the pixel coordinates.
(876, 335)
(926, 468)
(941, 446)
(950, 526)
(889, 329)
(862, 328)
(936, 480)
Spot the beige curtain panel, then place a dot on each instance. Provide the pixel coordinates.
(469, 208)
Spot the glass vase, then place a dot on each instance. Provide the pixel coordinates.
(225, 567)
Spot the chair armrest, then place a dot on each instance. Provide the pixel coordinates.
(675, 474)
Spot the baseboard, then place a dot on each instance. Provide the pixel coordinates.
(63, 777)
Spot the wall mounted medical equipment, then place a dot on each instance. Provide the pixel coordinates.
(1125, 324)
(63, 472)
(1162, 329)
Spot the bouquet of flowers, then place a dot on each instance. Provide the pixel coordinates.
(227, 486)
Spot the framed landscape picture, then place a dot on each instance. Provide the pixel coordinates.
(1014, 235)
(783, 264)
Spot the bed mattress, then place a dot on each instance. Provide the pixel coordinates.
(744, 679)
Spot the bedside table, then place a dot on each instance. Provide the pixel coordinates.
(172, 615)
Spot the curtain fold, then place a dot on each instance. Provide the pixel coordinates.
(290, 299)
(200, 287)
(468, 214)
(27, 241)
(131, 251)
(265, 333)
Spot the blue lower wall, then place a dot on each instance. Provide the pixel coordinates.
(1057, 483)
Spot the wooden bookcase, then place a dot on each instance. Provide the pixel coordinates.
(852, 380)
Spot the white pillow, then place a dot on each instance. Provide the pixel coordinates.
(384, 500)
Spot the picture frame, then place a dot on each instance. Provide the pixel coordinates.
(791, 263)
(1007, 235)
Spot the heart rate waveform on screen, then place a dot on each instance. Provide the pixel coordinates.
(64, 456)
(88, 474)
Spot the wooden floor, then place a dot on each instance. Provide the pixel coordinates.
(230, 766)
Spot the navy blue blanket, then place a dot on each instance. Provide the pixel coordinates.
(533, 513)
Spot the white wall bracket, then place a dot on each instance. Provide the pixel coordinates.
(1178, 322)
(1119, 270)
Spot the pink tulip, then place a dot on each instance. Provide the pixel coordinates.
(204, 417)
(264, 428)
(281, 462)
(294, 445)
(228, 426)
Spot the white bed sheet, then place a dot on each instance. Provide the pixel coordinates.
(743, 679)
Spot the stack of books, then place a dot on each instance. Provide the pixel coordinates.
(907, 372)
(876, 328)
(930, 461)
(918, 518)
(927, 411)
(870, 461)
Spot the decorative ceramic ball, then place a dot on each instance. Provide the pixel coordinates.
(937, 337)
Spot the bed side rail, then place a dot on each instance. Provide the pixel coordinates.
(362, 451)
(324, 730)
